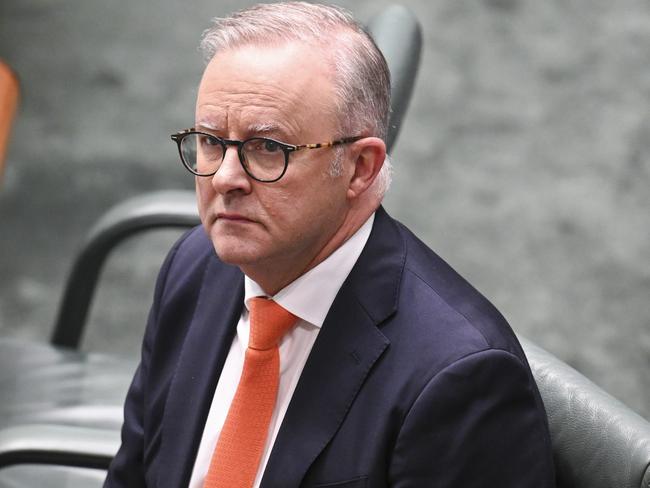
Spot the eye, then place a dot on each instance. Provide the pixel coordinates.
(209, 140)
(271, 146)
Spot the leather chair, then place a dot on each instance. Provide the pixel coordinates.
(62, 407)
(597, 441)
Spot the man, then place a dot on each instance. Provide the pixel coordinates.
(368, 362)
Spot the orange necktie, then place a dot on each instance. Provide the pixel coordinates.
(237, 456)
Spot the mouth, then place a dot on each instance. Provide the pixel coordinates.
(232, 217)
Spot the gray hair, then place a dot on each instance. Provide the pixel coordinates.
(362, 82)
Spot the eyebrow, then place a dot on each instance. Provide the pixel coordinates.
(261, 128)
(264, 128)
(206, 124)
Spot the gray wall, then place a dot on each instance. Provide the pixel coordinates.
(524, 161)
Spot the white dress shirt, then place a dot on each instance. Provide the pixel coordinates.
(309, 298)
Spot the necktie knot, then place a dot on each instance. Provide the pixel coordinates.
(268, 323)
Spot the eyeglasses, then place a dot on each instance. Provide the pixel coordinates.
(263, 159)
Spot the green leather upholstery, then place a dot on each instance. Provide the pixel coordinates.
(597, 441)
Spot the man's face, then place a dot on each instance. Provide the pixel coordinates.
(285, 93)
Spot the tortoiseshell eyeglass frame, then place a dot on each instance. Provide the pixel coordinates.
(286, 149)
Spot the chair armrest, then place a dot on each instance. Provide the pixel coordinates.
(79, 447)
(150, 211)
(598, 442)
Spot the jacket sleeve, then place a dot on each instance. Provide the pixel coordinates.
(127, 468)
(479, 422)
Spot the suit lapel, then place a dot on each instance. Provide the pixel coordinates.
(347, 347)
(204, 352)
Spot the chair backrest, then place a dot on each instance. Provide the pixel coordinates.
(8, 103)
(597, 441)
(399, 37)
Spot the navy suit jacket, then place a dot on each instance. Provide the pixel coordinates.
(415, 379)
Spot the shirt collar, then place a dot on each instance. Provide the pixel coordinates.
(310, 296)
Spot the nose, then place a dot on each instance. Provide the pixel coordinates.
(231, 175)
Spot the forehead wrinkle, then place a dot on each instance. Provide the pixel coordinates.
(280, 108)
(257, 100)
(247, 91)
(249, 115)
(210, 113)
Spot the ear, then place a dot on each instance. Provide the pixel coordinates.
(368, 158)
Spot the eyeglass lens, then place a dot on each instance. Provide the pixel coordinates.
(263, 158)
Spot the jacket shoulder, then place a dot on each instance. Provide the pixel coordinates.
(456, 309)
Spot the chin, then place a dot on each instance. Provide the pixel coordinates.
(234, 251)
